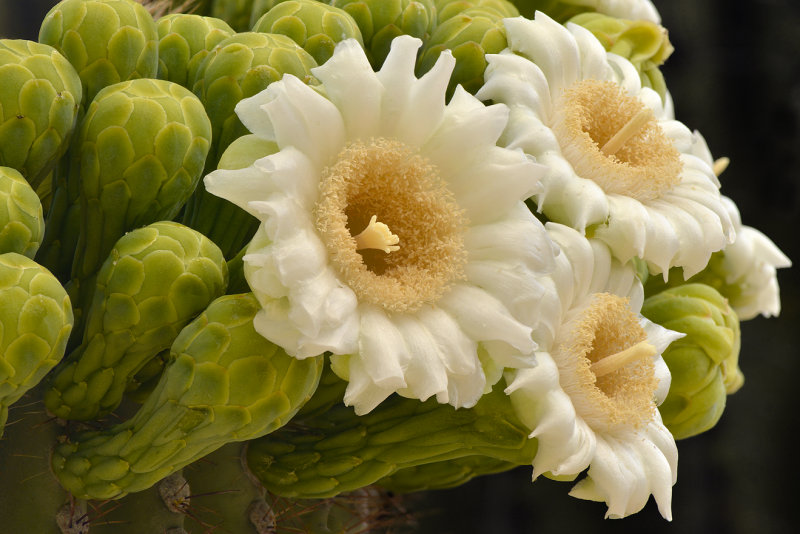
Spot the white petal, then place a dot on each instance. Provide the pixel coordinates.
(354, 88)
(304, 119)
(412, 108)
(484, 318)
(549, 45)
(517, 82)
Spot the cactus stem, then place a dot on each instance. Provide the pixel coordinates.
(616, 361)
(720, 165)
(628, 130)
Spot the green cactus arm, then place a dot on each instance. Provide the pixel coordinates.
(704, 363)
(21, 219)
(107, 41)
(337, 451)
(184, 42)
(35, 323)
(30, 497)
(155, 280)
(224, 383)
(441, 475)
(39, 101)
(315, 26)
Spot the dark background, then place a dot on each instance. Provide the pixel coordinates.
(734, 76)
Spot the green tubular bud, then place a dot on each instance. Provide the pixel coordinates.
(107, 41)
(337, 451)
(146, 379)
(40, 96)
(645, 44)
(24, 463)
(704, 363)
(380, 21)
(155, 280)
(141, 151)
(239, 67)
(21, 220)
(224, 383)
(446, 9)
(470, 35)
(441, 475)
(315, 26)
(184, 42)
(35, 323)
(234, 12)
(260, 7)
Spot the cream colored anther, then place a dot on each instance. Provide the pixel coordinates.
(378, 236)
(631, 128)
(611, 363)
(720, 165)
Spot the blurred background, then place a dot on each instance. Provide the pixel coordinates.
(735, 77)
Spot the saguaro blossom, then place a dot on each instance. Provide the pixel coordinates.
(620, 168)
(394, 232)
(591, 401)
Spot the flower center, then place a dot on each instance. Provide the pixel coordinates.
(392, 228)
(606, 364)
(611, 138)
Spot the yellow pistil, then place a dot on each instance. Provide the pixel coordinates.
(720, 165)
(611, 138)
(377, 236)
(614, 362)
(624, 134)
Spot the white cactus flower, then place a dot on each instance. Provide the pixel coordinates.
(591, 401)
(394, 233)
(620, 168)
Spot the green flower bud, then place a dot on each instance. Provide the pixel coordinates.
(234, 12)
(645, 44)
(704, 363)
(380, 21)
(140, 153)
(239, 67)
(35, 323)
(224, 383)
(470, 35)
(21, 220)
(560, 10)
(40, 95)
(184, 42)
(156, 279)
(260, 7)
(315, 26)
(336, 451)
(107, 41)
(446, 9)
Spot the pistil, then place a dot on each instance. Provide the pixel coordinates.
(614, 362)
(377, 236)
(628, 130)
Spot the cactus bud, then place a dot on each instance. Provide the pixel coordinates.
(107, 41)
(315, 26)
(39, 100)
(704, 363)
(21, 220)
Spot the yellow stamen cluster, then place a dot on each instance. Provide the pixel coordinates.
(606, 364)
(384, 180)
(609, 137)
